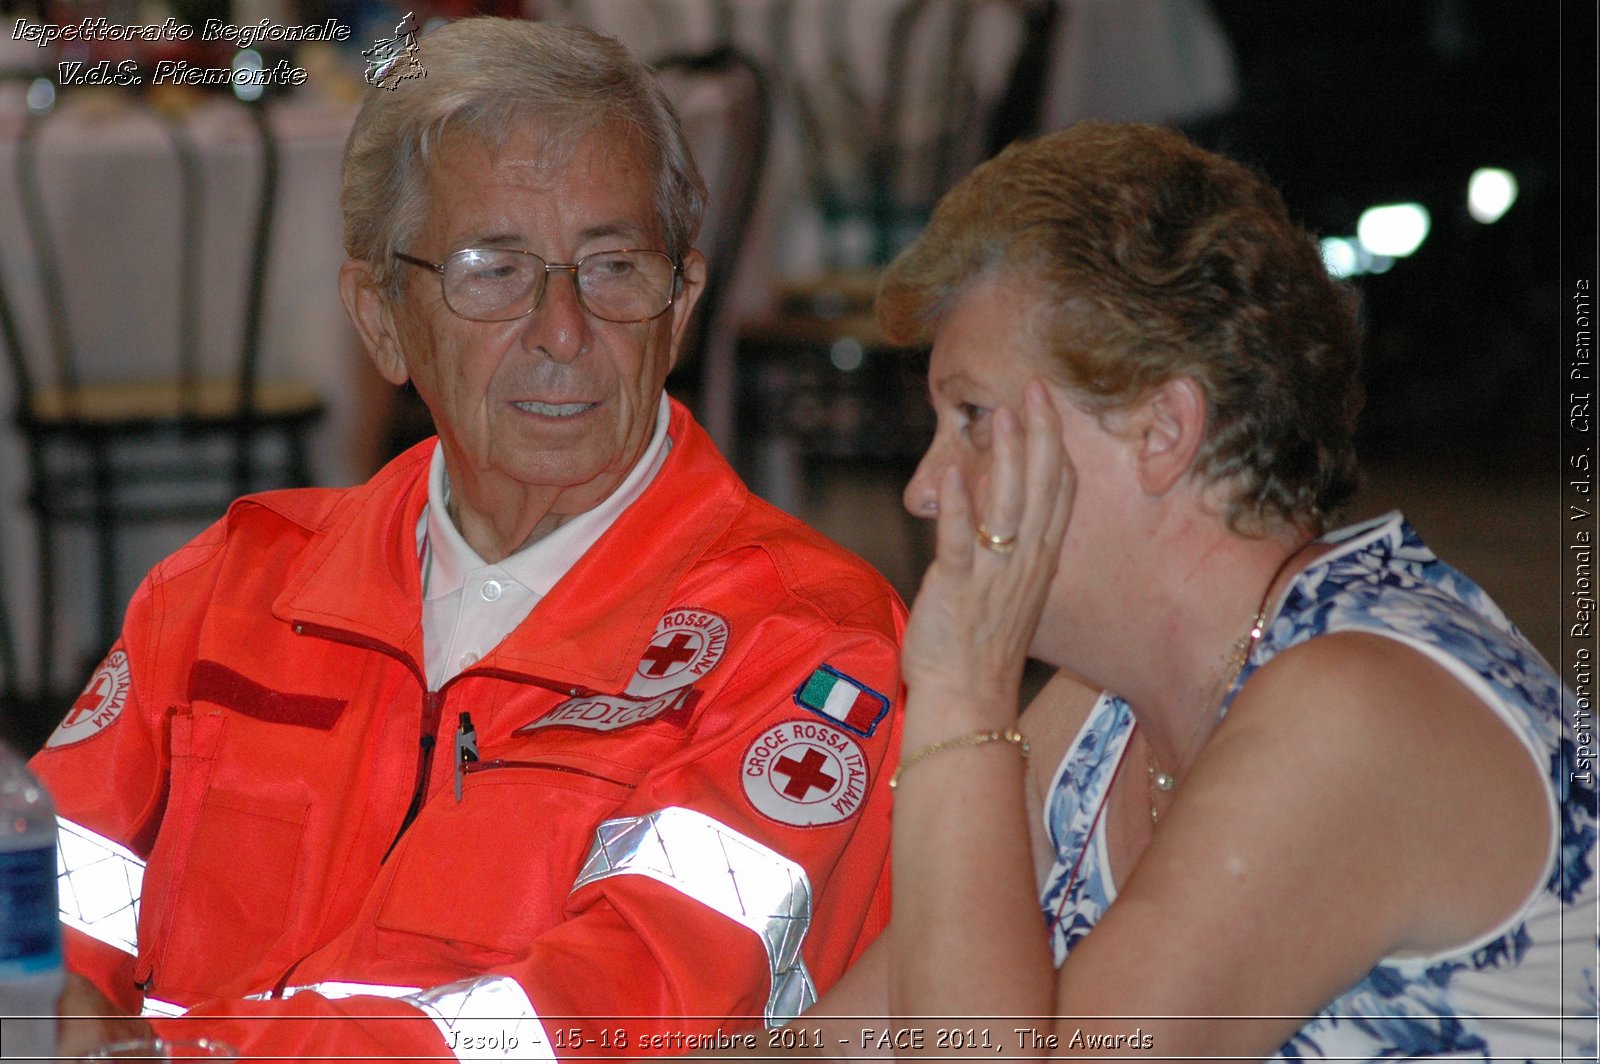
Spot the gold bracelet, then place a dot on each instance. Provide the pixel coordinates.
(1009, 735)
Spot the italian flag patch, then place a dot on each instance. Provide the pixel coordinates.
(847, 702)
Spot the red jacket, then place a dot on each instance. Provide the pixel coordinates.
(676, 817)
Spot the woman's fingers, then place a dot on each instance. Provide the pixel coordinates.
(997, 549)
(954, 540)
(1050, 477)
(1003, 509)
(1028, 482)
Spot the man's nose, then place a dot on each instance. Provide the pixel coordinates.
(560, 324)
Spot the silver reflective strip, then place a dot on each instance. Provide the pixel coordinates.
(99, 882)
(488, 1018)
(157, 1007)
(334, 988)
(722, 869)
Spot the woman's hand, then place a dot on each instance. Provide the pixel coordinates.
(966, 937)
(974, 619)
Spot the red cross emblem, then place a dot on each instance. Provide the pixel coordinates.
(100, 704)
(680, 648)
(686, 645)
(805, 774)
(92, 698)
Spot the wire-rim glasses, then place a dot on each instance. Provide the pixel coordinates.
(499, 284)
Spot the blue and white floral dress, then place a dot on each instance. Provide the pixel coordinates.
(1527, 989)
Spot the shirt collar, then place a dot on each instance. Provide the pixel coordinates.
(607, 606)
(448, 558)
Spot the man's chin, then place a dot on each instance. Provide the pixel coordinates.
(577, 486)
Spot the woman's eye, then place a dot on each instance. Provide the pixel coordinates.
(974, 423)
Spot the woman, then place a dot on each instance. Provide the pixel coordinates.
(1333, 797)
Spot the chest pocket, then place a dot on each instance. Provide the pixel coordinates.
(493, 871)
(225, 863)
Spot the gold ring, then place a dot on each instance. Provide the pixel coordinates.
(998, 544)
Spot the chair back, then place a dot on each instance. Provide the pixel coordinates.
(723, 102)
(147, 267)
(893, 113)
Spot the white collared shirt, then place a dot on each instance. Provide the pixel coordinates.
(468, 605)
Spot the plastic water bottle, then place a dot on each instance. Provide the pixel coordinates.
(31, 975)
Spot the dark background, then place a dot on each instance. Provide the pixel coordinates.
(1350, 104)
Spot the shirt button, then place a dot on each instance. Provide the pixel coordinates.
(490, 591)
(469, 659)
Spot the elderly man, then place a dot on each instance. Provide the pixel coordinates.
(549, 740)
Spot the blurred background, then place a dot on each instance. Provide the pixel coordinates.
(168, 252)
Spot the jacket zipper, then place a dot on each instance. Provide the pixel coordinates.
(432, 711)
(500, 762)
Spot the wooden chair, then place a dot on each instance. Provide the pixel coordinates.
(123, 433)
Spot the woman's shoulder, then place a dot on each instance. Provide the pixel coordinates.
(1414, 768)
(1366, 682)
(1378, 579)
(1383, 701)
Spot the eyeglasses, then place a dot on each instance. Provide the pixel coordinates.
(497, 284)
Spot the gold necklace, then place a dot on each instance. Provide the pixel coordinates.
(1238, 656)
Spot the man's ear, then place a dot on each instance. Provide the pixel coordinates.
(1169, 426)
(370, 314)
(690, 289)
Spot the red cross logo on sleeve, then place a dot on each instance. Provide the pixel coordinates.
(805, 774)
(92, 698)
(100, 704)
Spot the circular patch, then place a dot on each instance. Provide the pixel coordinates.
(687, 645)
(805, 774)
(99, 705)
